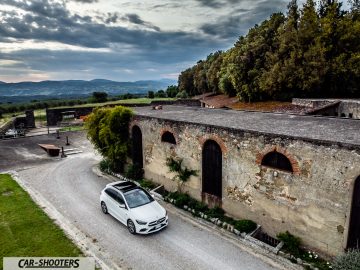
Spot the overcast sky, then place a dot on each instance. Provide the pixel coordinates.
(122, 40)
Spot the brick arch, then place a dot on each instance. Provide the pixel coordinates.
(276, 148)
(215, 138)
(135, 123)
(169, 129)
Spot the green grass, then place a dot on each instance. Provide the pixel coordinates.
(123, 101)
(25, 230)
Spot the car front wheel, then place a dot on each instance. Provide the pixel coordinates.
(131, 227)
(104, 208)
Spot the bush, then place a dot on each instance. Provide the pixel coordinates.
(348, 261)
(215, 212)
(147, 184)
(182, 94)
(135, 172)
(245, 225)
(105, 166)
(291, 243)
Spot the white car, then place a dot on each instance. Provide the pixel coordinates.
(134, 207)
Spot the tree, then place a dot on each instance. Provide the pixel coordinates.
(213, 67)
(160, 94)
(99, 96)
(172, 91)
(151, 94)
(108, 130)
(309, 52)
(186, 81)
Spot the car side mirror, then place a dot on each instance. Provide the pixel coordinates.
(121, 205)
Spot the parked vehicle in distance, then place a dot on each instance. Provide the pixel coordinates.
(134, 207)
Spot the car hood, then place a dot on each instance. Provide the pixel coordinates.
(148, 212)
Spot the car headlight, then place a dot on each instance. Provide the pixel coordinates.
(141, 222)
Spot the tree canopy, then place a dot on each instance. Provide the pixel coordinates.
(108, 130)
(312, 51)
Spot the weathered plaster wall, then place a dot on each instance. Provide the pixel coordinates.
(350, 109)
(313, 202)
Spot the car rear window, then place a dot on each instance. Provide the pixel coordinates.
(137, 197)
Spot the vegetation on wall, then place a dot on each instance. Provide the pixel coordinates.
(183, 174)
(108, 130)
(313, 51)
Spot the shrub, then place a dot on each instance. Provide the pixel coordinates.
(135, 172)
(291, 243)
(147, 184)
(182, 199)
(245, 225)
(215, 212)
(105, 165)
(348, 261)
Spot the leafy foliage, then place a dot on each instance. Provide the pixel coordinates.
(108, 130)
(183, 173)
(245, 225)
(291, 243)
(99, 97)
(172, 91)
(151, 94)
(135, 172)
(147, 184)
(105, 166)
(313, 51)
(348, 261)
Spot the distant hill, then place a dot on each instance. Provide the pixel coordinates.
(76, 88)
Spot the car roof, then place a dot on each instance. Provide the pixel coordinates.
(125, 186)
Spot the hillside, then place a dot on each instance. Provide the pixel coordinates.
(75, 88)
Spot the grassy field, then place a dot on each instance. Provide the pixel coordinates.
(25, 230)
(119, 102)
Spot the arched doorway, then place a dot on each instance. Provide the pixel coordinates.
(212, 173)
(353, 241)
(137, 149)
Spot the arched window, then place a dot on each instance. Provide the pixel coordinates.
(277, 160)
(168, 137)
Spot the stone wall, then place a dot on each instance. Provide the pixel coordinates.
(349, 108)
(54, 116)
(313, 202)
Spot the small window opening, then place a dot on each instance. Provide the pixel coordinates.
(350, 115)
(277, 160)
(343, 115)
(168, 137)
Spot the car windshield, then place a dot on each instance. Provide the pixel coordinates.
(137, 197)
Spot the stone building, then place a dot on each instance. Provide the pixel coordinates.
(285, 172)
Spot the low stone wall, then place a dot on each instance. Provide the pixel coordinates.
(54, 116)
(8, 125)
(350, 109)
(347, 108)
(311, 103)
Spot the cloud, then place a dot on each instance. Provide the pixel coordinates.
(109, 38)
(242, 19)
(85, 1)
(135, 19)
